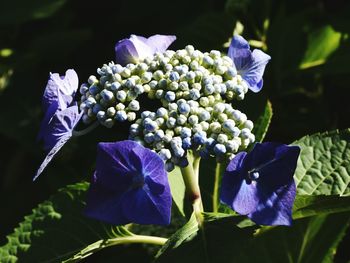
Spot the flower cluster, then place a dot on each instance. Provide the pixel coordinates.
(216, 130)
(170, 76)
(195, 91)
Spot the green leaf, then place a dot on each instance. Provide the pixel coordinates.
(56, 229)
(321, 44)
(308, 240)
(22, 11)
(178, 189)
(262, 124)
(186, 233)
(219, 240)
(311, 205)
(324, 164)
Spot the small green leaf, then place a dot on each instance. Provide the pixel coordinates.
(324, 164)
(56, 229)
(187, 232)
(262, 124)
(321, 44)
(310, 205)
(178, 189)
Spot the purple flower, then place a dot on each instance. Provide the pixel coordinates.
(61, 114)
(137, 48)
(130, 184)
(260, 184)
(250, 65)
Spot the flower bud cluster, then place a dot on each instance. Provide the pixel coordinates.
(193, 88)
(185, 74)
(216, 130)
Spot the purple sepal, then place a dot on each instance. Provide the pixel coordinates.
(250, 65)
(136, 48)
(268, 199)
(130, 184)
(61, 114)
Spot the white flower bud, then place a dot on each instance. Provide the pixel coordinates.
(120, 106)
(193, 119)
(172, 106)
(215, 127)
(111, 112)
(126, 73)
(131, 116)
(222, 138)
(121, 116)
(121, 95)
(134, 105)
(101, 115)
(165, 154)
(115, 86)
(181, 119)
(92, 80)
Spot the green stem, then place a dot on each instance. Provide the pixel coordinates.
(216, 187)
(94, 247)
(196, 162)
(87, 130)
(190, 175)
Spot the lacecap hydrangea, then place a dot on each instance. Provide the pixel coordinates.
(196, 91)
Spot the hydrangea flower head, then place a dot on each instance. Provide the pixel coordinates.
(137, 48)
(249, 64)
(260, 184)
(130, 184)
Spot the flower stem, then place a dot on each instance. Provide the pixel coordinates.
(190, 174)
(94, 247)
(216, 187)
(87, 130)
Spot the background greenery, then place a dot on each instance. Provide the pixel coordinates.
(306, 80)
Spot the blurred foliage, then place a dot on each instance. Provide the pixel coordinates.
(306, 80)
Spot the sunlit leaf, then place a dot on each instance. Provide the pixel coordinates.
(321, 44)
(324, 164)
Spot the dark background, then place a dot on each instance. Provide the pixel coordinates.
(38, 37)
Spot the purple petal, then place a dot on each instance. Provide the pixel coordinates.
(232, 179)
(276, 209)
(253, 71)
(105, 205)
(62, 122)
(137, 48)
(51, 93)
(50, 112)
(160, 43)
(250, 65)
(275, 163)
(142, 207)
(56, 85)
(114, 169)
(52, 153)
(135, 183)
(239, 51)
(70, 83)
(247, 199)
(126, 52)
